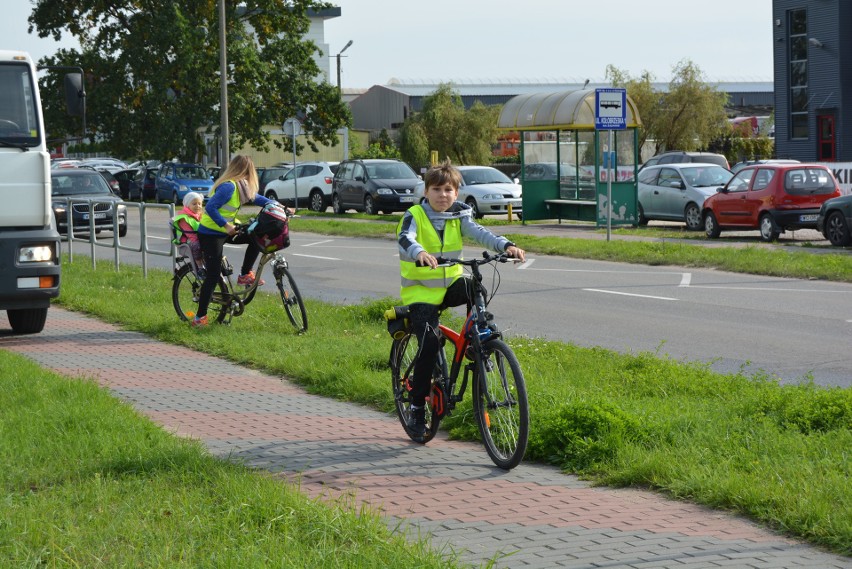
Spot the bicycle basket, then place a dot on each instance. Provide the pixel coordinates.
(270, 230)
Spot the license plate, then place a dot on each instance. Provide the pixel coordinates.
(97, 216)
(406, 199)
(808, 217)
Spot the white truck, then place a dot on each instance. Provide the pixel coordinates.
(29, 241)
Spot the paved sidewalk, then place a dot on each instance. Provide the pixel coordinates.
(535, 515)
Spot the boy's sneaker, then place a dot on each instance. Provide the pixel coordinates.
(198, 322)
(248, 279)
(417, 422)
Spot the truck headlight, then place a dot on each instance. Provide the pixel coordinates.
(35, 254)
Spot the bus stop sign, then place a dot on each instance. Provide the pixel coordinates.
(610, 109)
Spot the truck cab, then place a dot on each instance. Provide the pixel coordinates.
(29, 242)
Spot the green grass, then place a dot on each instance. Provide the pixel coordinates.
(779, 454)
(87, 482)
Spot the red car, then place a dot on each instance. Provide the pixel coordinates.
(771, 198)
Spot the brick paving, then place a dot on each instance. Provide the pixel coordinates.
(533, 516)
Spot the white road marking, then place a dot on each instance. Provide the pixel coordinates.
(629, 294)
(526, 264)
(314, 257)
(685, 279)
(318, 243)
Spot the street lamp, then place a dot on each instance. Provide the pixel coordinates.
(345, 47)
(223, 89)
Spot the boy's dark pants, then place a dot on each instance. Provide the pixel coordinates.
(424, 324)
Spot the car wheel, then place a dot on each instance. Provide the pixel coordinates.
(336, 206)
(642, 219)
(175, 198)
(122, 230)
(711, 226)
(316, 201)
(271, 195)
(472, 203)
(369, 206)
(692, 215)
(768, 228)
(837, 230)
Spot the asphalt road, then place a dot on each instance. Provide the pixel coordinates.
(790, 328)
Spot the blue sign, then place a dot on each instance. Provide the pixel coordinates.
(610, 109)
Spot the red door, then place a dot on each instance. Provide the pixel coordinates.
(825, 138)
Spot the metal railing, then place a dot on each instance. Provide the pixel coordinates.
(115, 243)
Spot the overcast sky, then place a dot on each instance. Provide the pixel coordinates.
(519, 41)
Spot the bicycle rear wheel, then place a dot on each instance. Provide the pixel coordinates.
(291, 298)
(185, 292)
(500, 405)
(402, 356)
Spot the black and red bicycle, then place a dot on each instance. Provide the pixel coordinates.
(499, 391)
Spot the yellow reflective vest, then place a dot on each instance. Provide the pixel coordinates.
(424, 284)
(228, 211)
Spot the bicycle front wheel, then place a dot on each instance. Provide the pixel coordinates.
(500, 405)
(291, 298)
(402, 357)
(186, 290)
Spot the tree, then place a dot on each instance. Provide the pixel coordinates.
(152, 73)
(687, 117)
(463, 136)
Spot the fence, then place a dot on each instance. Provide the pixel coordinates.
(115, 243)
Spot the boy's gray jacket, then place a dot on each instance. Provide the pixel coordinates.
(409, 248)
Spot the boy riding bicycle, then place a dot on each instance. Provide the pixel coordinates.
(435, 229)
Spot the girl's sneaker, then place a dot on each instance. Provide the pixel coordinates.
(248, 279)
(198, 322)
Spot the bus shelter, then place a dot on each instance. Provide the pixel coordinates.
(564, 159)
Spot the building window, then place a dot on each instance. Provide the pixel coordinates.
(797, 21)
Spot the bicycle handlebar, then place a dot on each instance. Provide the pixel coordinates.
(486, 258)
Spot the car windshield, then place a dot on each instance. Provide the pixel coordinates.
(79, 184)
(390, 171)
(192, 173)
(484, 176)
(809, 181)
(706, 176)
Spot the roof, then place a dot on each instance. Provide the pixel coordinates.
(557, 110)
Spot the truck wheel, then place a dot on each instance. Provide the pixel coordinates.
(27, 320)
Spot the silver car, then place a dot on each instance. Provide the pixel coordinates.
(676, 192)
(489, 191)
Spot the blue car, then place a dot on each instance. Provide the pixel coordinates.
(174, 180)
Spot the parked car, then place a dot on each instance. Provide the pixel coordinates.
(111, 165)
(266, 175)
(771, 198)
(145, 182)
(679, 157)
(112, 181)
(83, 183)
(174, 180)
(312, 181)
(214, 172)
(127, 188)
(375, 185)
(676, 192)
(740, 165)
(489, 191)
(835, 219)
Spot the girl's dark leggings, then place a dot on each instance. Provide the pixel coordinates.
(211, 249)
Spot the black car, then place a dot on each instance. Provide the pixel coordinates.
(373, 186)
(71, 190)
(835, 219)
(128, 189)
(145, 182)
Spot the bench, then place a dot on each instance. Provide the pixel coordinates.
(581, 210)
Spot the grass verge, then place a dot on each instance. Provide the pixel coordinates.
(778, 454)
(87, 482)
